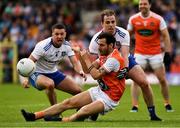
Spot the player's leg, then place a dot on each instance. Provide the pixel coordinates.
(160, 73)
(135, 92)
(138, 76)
(76, 101)
(101, 103)
(42, 82)
(64, 83)
(159, 69)
(85, 111)
(69, 86)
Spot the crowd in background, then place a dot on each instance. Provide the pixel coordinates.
(27, 22)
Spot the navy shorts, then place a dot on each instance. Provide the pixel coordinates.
(57, 77)
(132, 61)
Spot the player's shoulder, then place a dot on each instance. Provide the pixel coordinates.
(45, 44)
(66, 43)
(121, 31)
(95, 37)
(97, 34)
(156, 16)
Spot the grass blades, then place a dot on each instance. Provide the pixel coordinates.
(14, 97)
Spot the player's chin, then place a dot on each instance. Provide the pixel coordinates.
(143, 10)
(111, 31)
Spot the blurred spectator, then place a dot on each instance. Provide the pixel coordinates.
(175, 65)
(27, 22)
(76, 43)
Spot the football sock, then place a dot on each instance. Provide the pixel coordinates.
(152, 111)
(166, 102)
(39, 114)
(66, 119)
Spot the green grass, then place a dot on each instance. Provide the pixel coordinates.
(14, 97)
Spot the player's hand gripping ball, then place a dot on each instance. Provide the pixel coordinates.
(26, 67)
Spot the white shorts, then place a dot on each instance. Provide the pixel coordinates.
(155, 61)
(97, 94)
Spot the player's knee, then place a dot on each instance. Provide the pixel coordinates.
(143, 83)
(77, 90)
(50, 85)
(68, 103)
(162, 81)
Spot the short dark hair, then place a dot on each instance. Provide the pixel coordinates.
(107, 12)
(58, 26)
(108, 36)
(150, 1)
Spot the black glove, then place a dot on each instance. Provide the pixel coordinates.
(123, 73)
(167, 58)
(167, 61)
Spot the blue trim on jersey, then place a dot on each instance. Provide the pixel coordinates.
(57, 77)
(66, 43)
(96, 40)
(48, 46)
(120, 33)
(132, 61)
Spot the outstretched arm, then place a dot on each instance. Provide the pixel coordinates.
(77, 66)
(92, 68)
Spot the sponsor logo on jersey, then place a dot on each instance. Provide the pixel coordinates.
(145, 32)
(63, 53)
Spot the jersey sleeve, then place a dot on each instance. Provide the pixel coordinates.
(162, 24)
(126, 39)
(38, 51)
(93, 46)
(111, 64)
(130, 26)
(70, 52)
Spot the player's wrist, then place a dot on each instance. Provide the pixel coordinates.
(90, 68)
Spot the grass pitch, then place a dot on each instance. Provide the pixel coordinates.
(14, 97)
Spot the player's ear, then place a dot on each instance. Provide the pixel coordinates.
(111, 45)
(65, 33)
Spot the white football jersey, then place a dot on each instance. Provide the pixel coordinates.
(121, 35)
(49, 56)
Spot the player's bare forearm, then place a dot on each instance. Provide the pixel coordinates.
(85, 59)
(166, 40)
(83, 64)
(76, 65)
(92, 67)
(32, 58)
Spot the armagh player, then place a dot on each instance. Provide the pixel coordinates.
(99, 99)
(148, 27)
(132, 69)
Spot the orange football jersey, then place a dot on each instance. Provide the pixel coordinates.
(147, 33)
(116, 86)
